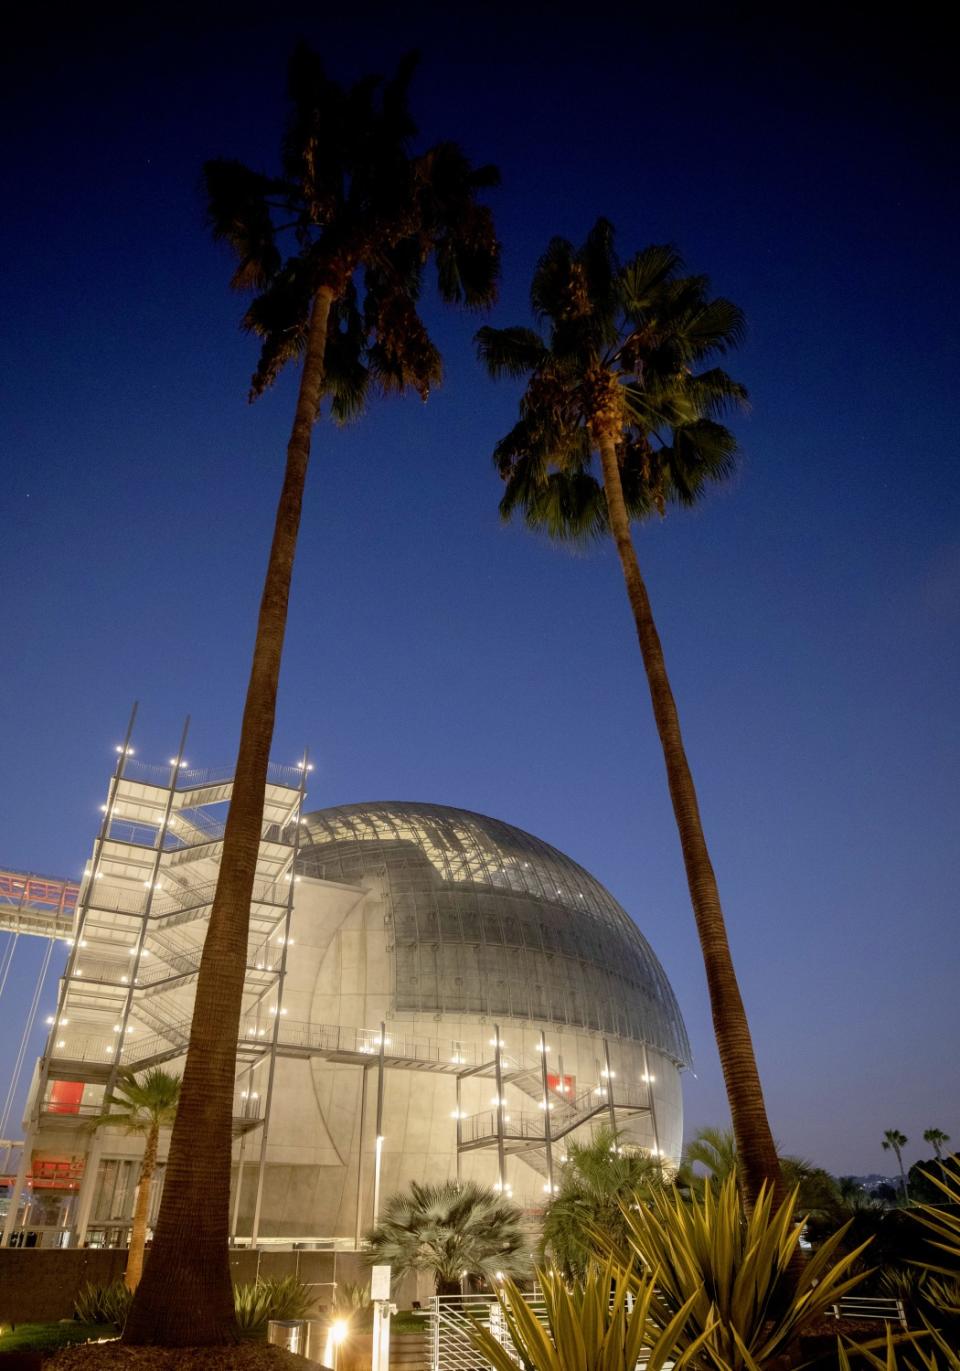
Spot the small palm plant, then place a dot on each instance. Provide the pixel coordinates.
(597, 1179)
(142, 1106)
(895, 1141)
(453, 1231)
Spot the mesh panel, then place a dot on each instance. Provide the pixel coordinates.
(487, 919)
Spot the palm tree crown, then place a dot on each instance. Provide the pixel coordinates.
(619, 354)
(363, 215)
(139, 1106)
(451, 1230)
(936, 1138)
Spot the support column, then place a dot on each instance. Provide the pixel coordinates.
(459, 1128)
(609, 1074)
(88, 1188)
(653, 1113)
(235, 1217)
(175, 765)
(358, 1234)
(498, 1075)
(545, 1085)
(18, 1185)
(378, 1152)
(275, 1036)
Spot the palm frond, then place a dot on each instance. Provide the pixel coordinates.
(510, 351)
(239, 214)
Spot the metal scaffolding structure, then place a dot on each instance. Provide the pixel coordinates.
(137, 936)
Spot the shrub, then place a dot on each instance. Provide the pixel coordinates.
(102, 1303)
(257, 1302)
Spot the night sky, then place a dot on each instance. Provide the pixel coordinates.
(809, 610)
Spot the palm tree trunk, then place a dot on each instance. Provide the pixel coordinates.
(141, 1211)
(903, 1178)
(186, 1297)
(755, 1146)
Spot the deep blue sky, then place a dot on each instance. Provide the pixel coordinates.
(809, 610)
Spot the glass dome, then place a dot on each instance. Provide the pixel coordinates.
(487, 919)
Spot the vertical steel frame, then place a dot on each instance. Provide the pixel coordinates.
(498, 1076)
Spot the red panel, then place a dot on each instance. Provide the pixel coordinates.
(65, 1097)
(566, 1087)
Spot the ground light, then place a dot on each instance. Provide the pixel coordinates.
(336, 1335)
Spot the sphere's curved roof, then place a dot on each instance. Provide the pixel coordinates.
(488, 919)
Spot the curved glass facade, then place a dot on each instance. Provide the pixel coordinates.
(486, 919)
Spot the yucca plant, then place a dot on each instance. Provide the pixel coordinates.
(593, 1325)
(736, 1273)
(103, 1303)
(257, 1302)
(938, 1355)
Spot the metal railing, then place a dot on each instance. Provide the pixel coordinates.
(198, 778)
(452, 1318)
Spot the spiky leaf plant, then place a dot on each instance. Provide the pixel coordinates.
(735, 1272)
(592, 1325)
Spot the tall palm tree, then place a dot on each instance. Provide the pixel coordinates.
(895, 1141)
(936, 1138)
(363, 215)
(141, 1106)
(597, 1179)
(623, 372)
(452, 1230)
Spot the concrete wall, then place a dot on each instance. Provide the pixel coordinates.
(38, 1285)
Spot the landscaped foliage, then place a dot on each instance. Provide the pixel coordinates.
(103, 1303)
(257, 1302)
(602, 1323)
(363, 215)
(598, 1178)
(734, 1272)
(453, 1231)
(624, 372)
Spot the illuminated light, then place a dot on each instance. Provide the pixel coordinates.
(498, 1275)
(458, 1114)
(50, 1019)
(98, 876)
(497, 1042)
(145, 952)
(243, 1094)
(496, 1102)
(109, 1050)
(125, 980)
(78, 971)
(254, 1095)
(116, 1028)
(103, 809)
(64, 1022)
(283, 1011)
(129, 1029)
(262, 1033)
(547, 1189)
(259, 966)
(132, 951)
(68, 942)
(338, 1331)
(62, 1042)
(83, 942)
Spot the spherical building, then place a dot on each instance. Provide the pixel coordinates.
(441, 924)
(429, 994)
